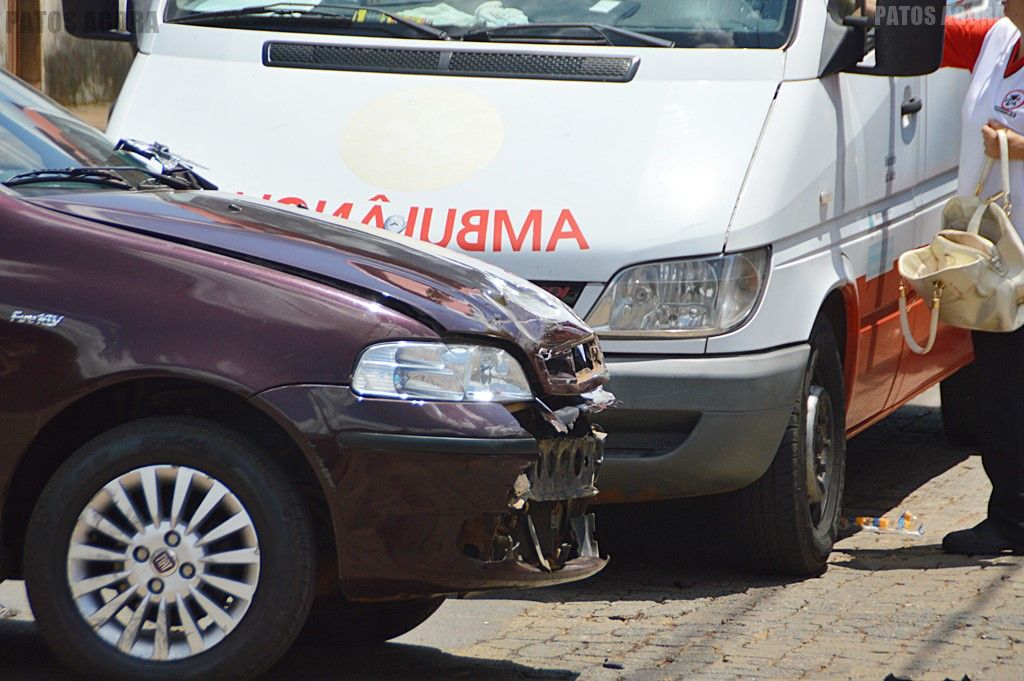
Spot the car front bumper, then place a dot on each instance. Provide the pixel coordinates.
(429, 499)
(696, 426)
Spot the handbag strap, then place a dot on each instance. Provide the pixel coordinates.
(1004, 167)
(974, 226)
(933, 328)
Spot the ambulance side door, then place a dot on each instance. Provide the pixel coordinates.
(883, 166)
(945, 91)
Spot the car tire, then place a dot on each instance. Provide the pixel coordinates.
(960, 417)
(786, 525)
(207, 535)
(336, 621)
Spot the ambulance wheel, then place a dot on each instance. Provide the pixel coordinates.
(960, 407)
(789, 517)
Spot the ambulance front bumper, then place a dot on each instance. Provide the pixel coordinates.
(692, 426)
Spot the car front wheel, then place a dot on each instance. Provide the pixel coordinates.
(169, 548)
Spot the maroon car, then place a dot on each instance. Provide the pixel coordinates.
(215, 411)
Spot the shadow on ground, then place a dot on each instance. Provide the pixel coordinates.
(25, 657)
(879, 476)
(690, 549)
(915, 557)
(399, 662)
(24, 654)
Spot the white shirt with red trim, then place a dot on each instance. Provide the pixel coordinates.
(993, 95)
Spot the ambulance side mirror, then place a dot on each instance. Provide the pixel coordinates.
(904, 38)
(99, 20)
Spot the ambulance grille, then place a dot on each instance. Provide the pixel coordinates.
(451, 62)
(339, 57)
(530, 65)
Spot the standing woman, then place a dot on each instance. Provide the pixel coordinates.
(991, 50)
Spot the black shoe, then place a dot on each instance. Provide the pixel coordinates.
(984, 539)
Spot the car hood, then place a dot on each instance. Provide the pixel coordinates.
(458, 295)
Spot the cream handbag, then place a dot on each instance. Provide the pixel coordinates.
(973, 271)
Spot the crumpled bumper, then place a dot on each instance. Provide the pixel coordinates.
(450, 499)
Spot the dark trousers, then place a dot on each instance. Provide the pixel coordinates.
(1000, 365)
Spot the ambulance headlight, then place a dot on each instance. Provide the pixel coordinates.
(444, 372)
(685, 298)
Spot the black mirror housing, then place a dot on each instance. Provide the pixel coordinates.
(907, 37)
(97, 20)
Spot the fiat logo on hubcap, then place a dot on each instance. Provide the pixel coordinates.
(164, 561)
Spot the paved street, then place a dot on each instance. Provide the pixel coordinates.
(888, 603)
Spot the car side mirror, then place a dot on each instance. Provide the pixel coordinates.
(98, 20)
(905, 35)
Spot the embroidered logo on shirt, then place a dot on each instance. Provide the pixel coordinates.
(1013, 100)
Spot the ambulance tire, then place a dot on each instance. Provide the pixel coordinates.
(787, 524)
(960, 417)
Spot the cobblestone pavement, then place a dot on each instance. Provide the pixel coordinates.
(887, 604)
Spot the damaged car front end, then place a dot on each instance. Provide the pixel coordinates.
(450, 497)
(462, 462)
(452, 436)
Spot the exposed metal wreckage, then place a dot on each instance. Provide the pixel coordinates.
(546, 524)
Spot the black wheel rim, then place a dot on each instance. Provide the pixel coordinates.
(819, 449)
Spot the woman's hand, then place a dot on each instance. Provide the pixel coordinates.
(991, 141)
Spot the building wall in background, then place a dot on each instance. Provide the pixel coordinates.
(35, 47)
(3, 46)
(77, 72)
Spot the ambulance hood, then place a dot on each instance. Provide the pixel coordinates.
(552, 180)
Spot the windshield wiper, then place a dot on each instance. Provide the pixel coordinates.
(345, 14)
(563, 33)
(102, 176)
(171, 165)
(166, 178)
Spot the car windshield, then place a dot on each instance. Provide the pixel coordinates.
(37, 134)
(688, 23)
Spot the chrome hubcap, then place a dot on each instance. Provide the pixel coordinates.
(819, 430)
(163, 562)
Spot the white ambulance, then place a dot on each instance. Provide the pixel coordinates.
(720, 187)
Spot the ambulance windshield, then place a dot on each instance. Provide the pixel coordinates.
(687, 23)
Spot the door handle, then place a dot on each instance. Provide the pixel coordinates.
(911, 106)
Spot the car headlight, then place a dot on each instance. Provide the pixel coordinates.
(681, 298)
(449, 372)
